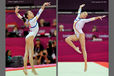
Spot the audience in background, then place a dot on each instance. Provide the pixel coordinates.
(8, 58)
(45, 56)
(7, 33)
(38, 48)
(94, 37)
(55, 33)
(54, 23)
(15, 32)
(51, 49)
(94, 29)
(61, 28)
(54, 51)
(41, 23)
(41, 55)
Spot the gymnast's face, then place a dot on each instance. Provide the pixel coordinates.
(83, 15)
(30, 14)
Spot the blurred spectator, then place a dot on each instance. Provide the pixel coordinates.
(7, 33)
(8, 58)
(54, 23)
(46, 57)
(61, 28)
(43, 57)
(15, 31)
(38, 48)
(55, 33)
(94, 38)
(39, 58)
(51, 49)
(41, 23)
(54, 51)
(47, 24)
(94, 29)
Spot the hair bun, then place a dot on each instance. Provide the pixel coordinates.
(24, 19)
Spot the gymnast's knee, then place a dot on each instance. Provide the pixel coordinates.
(25, 58)
(30, 57)
(67, 39)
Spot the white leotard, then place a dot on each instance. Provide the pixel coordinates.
(79, 24)
(34, 25)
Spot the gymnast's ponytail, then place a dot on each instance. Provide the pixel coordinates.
(24, 18)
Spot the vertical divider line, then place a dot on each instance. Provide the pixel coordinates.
(57, 38)
(2, 37)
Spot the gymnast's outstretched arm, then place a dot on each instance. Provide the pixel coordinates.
(93, 18)
(19, 16)
(79, 11)
(41, 10)
(17, 12)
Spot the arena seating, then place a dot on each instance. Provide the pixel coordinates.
(17, 45)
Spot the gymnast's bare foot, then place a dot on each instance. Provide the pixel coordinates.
(77, 50)
(25, 71)
(34, 71)
(85, 69)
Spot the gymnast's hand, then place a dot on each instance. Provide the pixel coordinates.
(16, 9)
(101, 17)
(81, 6)
(47, 4)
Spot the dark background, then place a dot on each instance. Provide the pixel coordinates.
(28, 2)
(91, 5)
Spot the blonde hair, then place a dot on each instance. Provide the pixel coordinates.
(83, 14)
